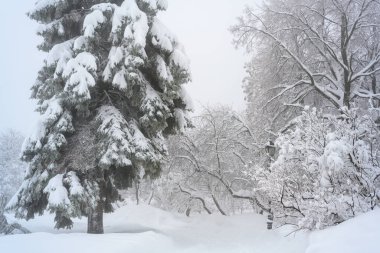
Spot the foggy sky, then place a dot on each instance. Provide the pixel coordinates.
(201, 25)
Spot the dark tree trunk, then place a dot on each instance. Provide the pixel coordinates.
(137, 191)
(217, 205)
(346, 74)
(95, 220)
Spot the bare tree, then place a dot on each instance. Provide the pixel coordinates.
(208, 164)
(325, 48)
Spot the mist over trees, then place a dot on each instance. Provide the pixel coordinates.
(12, 168)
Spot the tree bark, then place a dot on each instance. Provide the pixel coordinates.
(95, 220)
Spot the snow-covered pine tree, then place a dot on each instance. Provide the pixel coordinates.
(109, 92)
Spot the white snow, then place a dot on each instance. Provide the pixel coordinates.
(57, 193)
(161, 36)
(119, 79)
(179, 115)
(56, 25)
(80, 43)
(141, 143)
(334, 152)
(52, 112)
(146, 229)
(179, 58)
(87, 60)
(162, 68)
(140, 30)
(92, 21)
(60, 54)
(114, 126)
(78, 72)
(62, 50)
(103, 7)
(153, 105)
(358, 235)
(115, 57)
(76, 187)
(42, 4)
(187, 99)
(137, 27)
(162, 4)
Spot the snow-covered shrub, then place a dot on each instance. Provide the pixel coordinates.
(326, 171)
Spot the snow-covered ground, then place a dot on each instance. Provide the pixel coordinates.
(358, 235)
(146, 229)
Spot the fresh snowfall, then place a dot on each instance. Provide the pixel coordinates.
(144, 228)
(121, 160)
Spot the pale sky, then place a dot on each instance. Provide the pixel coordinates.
(201, 25)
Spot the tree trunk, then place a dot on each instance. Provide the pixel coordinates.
(344, 44)
(217, 205)
(137, 191)
(151, 196)
(95, 220)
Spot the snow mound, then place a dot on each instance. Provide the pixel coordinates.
(358, 235)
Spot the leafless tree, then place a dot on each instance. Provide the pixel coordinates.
(208, 164)
(308, 52)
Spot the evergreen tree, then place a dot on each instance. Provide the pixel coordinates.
(109, 92)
